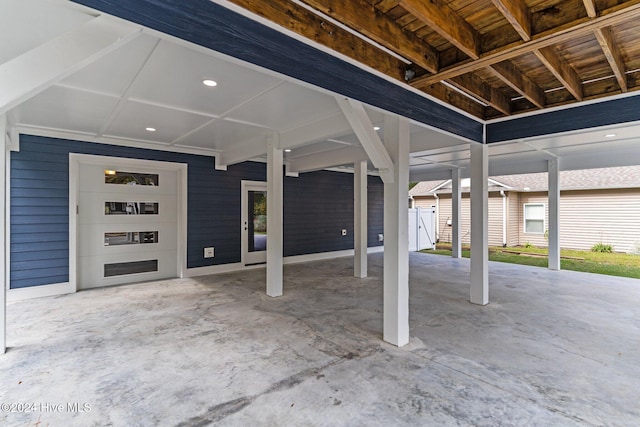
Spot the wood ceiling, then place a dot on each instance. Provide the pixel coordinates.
(491, 58)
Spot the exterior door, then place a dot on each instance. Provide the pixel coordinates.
(254, 222)
(127, 224)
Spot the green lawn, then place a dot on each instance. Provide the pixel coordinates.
(613, 264)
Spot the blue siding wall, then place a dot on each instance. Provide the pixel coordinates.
(210, 25)
(39, 202)
(319, 206)
(604, 113)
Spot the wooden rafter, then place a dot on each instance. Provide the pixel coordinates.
(302, 21)
(550, 57)
(518, 15)
(508, 73)
(362, 17)
(613, 54)
(590, 6)
(478, 88)
(551, 37)
(446, 22)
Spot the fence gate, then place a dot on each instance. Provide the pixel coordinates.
(422, 229)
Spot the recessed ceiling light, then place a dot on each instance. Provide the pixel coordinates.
(287, 150)
(151, 129)
(376, 128)
(610, 135)
(210, 83)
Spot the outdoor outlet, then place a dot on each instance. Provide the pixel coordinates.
(344, 232)
(208, 252)
(380, 237)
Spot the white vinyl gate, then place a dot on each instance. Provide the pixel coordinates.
(422, 229)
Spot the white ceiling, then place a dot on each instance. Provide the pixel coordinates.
(156, 81)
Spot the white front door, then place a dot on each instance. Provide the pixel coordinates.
(254, 222)
(127, 222)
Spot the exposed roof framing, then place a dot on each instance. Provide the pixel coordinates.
(490, 58)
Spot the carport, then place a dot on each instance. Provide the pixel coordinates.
(552, 348)
(134, 83)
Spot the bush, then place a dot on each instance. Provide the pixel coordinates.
(602, 247)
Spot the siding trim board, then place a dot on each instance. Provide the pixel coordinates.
(213, 207)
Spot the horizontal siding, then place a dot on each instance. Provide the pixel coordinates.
(535, 239)
(513, 224)
(39, 203)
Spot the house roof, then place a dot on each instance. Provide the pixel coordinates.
(592, 179)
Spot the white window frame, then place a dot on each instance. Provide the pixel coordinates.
(544, 218)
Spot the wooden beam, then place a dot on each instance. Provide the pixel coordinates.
(508, 73)
(590, 6)
(362, 17)
(613, 54)
(579, 28)
(550, 57)
(478, 88)
(363, 128)
(446, 22)
(518, 15)
(302, 21)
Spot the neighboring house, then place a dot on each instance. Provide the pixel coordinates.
(596, 205)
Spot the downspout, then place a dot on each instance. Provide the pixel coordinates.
(504, 218)
(437, 217)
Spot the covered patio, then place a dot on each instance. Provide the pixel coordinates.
(552, 348)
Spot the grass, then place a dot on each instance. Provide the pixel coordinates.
(613, 264)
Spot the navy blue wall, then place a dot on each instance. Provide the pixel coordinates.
(210, 25)
(40, 198)
(604, 113)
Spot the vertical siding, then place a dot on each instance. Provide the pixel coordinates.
(39, 199)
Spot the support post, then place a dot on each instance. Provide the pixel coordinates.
(275, 196)
(360, 219)
(554, 214)
(396, 233)
(456, 203)
(479, 293)
(3, 211)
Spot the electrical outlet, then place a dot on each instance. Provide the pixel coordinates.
(344, 231)
(380, 237)
(208, 252)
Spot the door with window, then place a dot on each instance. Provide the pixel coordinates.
(254, 222)
(127, 224)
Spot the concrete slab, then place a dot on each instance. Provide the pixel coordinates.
(552, 348)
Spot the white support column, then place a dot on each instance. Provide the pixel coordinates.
(479, 224)
(3, 211)
(360, 219)
(456, 197)
(554, 214)
(396, 234)
(275, 182)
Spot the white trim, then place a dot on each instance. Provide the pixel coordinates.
(296, 259)
(524, 217)
(67, 288)
(132, 143)
(181, 168)
(40, 291)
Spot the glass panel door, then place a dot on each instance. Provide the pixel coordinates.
(254, 222)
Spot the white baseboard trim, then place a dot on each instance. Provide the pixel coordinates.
(238, 266)
(39, 291)
(67, 288)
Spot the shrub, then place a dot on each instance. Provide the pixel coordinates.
(602, 247)
(636, 248)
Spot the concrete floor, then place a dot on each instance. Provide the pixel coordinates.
(552, 349)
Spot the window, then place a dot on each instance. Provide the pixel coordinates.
(130, 178)
(534, 218)
(130, 208)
